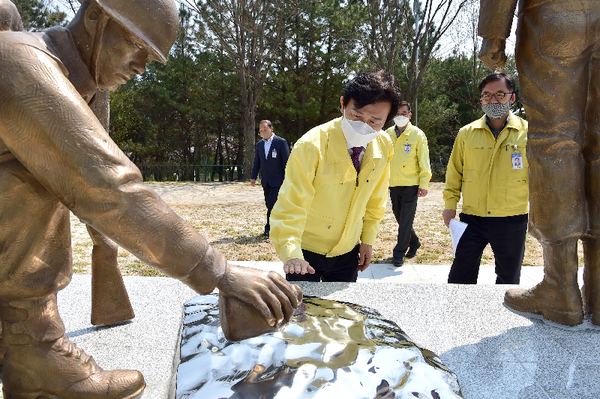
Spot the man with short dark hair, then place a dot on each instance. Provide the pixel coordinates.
(270, 158)
(410, 173)
(334, 194)
(488, 165)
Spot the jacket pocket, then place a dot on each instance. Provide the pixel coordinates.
(517, 188)
(470, 188)
(320, 232)
(408, 160)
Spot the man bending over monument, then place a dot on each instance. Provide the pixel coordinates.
(55, 157)
(334, 193)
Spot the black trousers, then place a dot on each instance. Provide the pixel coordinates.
(338, 268)
(506, 235)
(271, 194)
(404, 206)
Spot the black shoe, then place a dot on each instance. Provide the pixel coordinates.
(398, 262)
(412, 251)
(267, 231)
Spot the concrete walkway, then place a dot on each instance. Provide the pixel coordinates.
(494, 352)
(412, 273)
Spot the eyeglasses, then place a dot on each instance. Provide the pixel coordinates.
(498, 96)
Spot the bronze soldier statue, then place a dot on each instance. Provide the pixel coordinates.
(558, 59)
(110, 302)
(55, 156)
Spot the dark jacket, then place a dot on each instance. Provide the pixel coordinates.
(272, 168)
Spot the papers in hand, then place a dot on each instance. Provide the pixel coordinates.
(457, 228)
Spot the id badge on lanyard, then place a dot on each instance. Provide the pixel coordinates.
(517, 159)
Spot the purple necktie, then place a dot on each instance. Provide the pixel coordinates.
(355, 154)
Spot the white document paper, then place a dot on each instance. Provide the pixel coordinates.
(457, 228)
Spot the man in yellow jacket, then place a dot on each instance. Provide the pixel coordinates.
(409, 179)
(489, 167)
(334, 193)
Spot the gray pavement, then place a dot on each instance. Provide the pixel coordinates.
(495, 353)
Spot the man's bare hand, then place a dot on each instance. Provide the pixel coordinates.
(298, 266)
(365, 254)
(253, 182)
(448, 215)
(422, 192)
(269, 293)
(492, 53)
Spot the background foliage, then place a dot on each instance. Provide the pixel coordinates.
(236, 62)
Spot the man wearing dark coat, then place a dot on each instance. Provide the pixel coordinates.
(272, 153)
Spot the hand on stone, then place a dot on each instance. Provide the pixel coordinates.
(269, 293)
(365, 254)
(492, 53)
(298, 266)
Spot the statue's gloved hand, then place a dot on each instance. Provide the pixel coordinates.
(492, 53)
(273, 297)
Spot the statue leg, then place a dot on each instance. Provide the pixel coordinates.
(554, 81)
(40, 360)
(591, 241)
(2, 346)
(591, 278)
(557, 297)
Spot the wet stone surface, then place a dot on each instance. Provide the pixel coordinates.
(329, 349)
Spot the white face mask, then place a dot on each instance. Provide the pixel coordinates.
(401, 120)
(357, 133)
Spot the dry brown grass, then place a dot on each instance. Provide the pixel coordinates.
(232, 215)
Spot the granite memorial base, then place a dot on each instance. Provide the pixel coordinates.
(494, 352)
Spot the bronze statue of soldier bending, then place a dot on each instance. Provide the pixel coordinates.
(55, 156)
(558, 59)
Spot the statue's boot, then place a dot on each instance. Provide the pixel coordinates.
(38, 364)
(591, 278)
(557, 297)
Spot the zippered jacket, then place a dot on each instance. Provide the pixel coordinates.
(324, 205)
(482, 169)
(410, 164)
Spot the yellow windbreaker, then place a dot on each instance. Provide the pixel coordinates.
(324, 206)
(410, 164)
(482, 169)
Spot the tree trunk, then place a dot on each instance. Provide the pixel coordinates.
(249, 144)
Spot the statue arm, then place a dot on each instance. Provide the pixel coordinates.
(53, 133)
(48, 127)
(495, 21)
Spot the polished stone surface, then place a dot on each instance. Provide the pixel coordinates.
(495, 353)
(329, 349)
